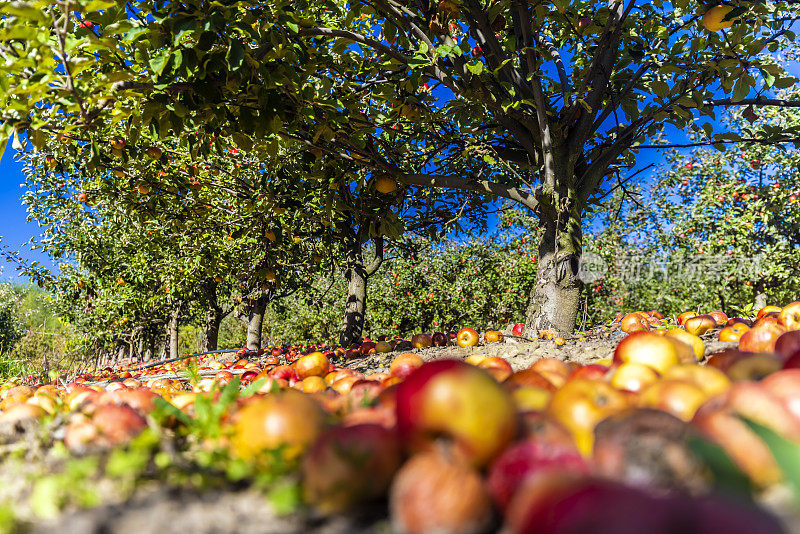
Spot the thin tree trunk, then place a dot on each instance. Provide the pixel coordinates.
(172, 331)
(555, 297)
(255, 319)
(213, 319)
(147, 349)
(211, 332)
(357, 275)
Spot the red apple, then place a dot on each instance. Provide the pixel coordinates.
(519, 329)
(761, 338)
(785, 385)
(719, 317)
(633, 322)
(458, 401)
(526, 459)
(496, 366)
(405, 364)
(788, 344)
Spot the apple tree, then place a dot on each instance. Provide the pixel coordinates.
(543, 105)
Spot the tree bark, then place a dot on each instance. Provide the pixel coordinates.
(357, 275)
(211, 337)
(213, 319)
(255, 319)
(555, 297)
(147, 349)
(172, 331)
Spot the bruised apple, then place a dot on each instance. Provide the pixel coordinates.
(699, 324)
(459, 402)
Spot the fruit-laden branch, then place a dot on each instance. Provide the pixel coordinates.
(480, 186)
(758, 101)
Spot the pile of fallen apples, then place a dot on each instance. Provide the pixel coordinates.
(475, 446)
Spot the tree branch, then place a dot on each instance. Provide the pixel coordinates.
(757, 101)
(483, 186)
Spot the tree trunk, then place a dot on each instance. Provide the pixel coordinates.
(555, 297)
(356, 304)
(211, 337)
(255, 319)
(120, 351)
(172, 331)
(147, 350)
(213, 319)
(356, 275)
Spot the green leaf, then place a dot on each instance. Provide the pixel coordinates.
(165, 409)
(475, 67)
(726, 473)
(253, 388)
(740, 89)
(785, 452)
(235, 55)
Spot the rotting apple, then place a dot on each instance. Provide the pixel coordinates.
(699, 324)
(421, 341)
